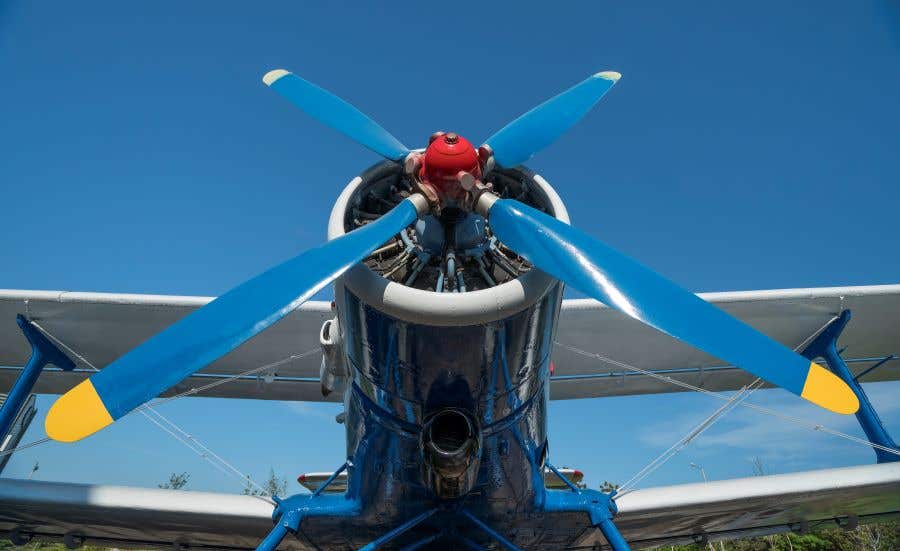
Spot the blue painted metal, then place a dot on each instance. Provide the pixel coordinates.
(273, 540)
(516, 142)
(490, 531)
(289, 513)
(564, 478)
(401, 373)
(332, 111)
(422, 542)
(607, 275)
(467, 542)
(393, 534)
(43, 352)
(600, 507)
(331, 478)
(825, 346)
(225, 323)
(613, 536)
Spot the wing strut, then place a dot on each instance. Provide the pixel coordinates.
(825, 346)
(43, 352)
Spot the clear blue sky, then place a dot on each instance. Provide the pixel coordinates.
(746, 147)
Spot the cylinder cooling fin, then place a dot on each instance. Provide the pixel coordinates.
(451, 252)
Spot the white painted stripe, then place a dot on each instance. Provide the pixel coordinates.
(609, 75)
(270, 77)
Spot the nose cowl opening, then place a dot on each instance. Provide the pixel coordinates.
(451, 446)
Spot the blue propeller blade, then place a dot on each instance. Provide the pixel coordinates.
(214, 330)
(332, 111)
(624, 284)
(516, 142)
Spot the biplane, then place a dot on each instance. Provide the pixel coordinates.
(447, 337)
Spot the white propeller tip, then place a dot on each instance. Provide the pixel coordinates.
(270, 77)
(609, 75)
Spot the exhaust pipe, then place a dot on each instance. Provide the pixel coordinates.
(451, 446)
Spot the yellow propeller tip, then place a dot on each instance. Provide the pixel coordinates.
(824, 388)
(77, 414)
(609, 75)
(270, 77)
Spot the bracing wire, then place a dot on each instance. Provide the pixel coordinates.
(690, 436)
(742, 395)
(719, 396)
(168, 426)
(37, 442)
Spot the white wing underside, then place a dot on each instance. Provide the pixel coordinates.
(102, 326)
(142, 517)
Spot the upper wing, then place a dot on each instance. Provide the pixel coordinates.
(103, 326)
(127, 517)
(790, 316)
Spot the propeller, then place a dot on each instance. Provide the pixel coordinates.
(609, 276)
(560, 250)
(332, 111)
(516, 142)
(214, 330)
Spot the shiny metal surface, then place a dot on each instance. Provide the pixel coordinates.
(222, 325)
(102, 326)
(403, 372)
(621, 282)
(790, 316)
(516, 142)
(336, 113)
(148, 517)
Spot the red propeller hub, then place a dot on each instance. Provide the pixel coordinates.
(447, 155)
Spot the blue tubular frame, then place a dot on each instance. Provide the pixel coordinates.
(599, 506)
(489, 531)
(406, 526)
(825, 346)
(290, 512)
(331, 478)
(43, 352)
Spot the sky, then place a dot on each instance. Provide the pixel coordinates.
(747, 146)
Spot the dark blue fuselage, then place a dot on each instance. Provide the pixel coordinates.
(400, 374)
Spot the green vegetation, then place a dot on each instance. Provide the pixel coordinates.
(883, 536)
(868, 537)
(608, 487)
(274, 486)
(176, 481)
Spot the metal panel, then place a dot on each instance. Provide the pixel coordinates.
(758, 505)
(789, 316)
(149, 517)
(103, 326)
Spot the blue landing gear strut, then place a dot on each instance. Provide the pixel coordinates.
(42, 353)
(825, 346)
(599, 506)
(290, 512)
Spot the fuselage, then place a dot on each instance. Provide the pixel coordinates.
(469, 370)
